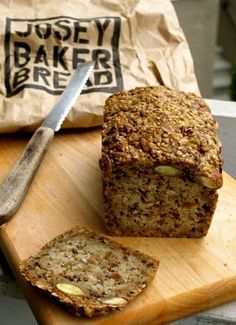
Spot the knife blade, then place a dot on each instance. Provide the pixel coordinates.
(16, 184)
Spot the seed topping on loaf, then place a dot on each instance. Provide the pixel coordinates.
(161, 163)
(161, 126)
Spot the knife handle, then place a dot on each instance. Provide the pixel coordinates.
(16, 184)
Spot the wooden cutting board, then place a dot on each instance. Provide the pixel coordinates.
(194, 274)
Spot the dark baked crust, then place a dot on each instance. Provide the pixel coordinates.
(62, 261)
(158, 125)
(161, 163)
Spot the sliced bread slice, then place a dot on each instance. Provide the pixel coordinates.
(88, 272)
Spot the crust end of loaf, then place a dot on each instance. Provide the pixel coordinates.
(161, 163)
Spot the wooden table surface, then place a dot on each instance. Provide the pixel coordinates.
(194, 274)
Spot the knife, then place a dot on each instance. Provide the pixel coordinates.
(15, 186)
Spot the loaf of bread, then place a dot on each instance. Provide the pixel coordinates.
(161, 163)
(89, 273)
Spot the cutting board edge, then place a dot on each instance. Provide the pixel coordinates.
(195, 301)
(23, 284)
(168, 311)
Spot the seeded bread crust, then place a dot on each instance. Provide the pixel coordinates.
(146, 129)
(158, 125)
(106, 276)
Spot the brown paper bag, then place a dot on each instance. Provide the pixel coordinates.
(134, 43)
